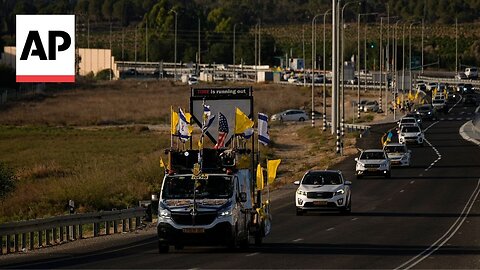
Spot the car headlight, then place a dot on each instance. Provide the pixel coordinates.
(164, 213)
(225, 213)
(340, 192)
(429, 112)
(301, 192)
(361, 165)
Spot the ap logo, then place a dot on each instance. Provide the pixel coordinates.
(45, 50)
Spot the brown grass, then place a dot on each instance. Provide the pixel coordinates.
(123, 102)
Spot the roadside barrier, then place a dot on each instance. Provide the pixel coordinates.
(23, 235)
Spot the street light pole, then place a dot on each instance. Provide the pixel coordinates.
(175, 50)
(234, 26)
(358, 61)
(334, 67)
(314, 49)
(410, 56)
(342, 123)
(324, 128)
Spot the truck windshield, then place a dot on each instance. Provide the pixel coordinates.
(182, 187)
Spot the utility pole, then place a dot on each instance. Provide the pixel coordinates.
(314, 52)
(334, 67)
(324, 128)
(456, 46)
(146, 39)
(234, 26)
(303, 52)
(199, 51)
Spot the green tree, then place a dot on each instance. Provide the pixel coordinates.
(107, 9)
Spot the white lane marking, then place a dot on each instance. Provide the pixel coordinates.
(459, 118)
(413, 181)
(353, 219)
(431, 125)
(455, 104)
(252, 254)
(298, 240)
(401, 191)
(448, 234)
(330, 229)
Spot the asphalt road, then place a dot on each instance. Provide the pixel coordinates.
(425, 216)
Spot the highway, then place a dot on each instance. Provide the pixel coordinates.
(425, 216)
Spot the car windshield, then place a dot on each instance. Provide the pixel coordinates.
(372, 155)
(394, 149)
(410, 129)
(408, 120)
(182, 187)
(322, 178)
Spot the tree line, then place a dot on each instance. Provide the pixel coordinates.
(214, 21)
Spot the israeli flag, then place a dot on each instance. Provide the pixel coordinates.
(263, 136)
(183, 126)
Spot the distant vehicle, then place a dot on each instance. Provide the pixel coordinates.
(422, 87)
(192, 80)
(373, 162)
(323, 190)
(416, 116)
(411, 134)
(451, 97)
(293, 79)
(440, 104)
(467, 88)
(460, 87)
(471, 72)
(362, 104)
(317, 114)
(431, 86)
(398, 154)
(461, 76)
(406, 120)
(290, 115)
(371, 106)
(426, 112)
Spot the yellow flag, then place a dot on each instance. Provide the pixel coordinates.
(398, 101)
(242, 122)
(259, 177)
(416, 95)
(272, 166)
(173, 121)
(162, 165)
(188, 116)
(200, 145)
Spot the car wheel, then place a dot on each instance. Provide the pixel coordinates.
(388, 174)
(300, 212)
(301, 119)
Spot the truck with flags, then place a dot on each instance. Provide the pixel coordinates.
(213, 195)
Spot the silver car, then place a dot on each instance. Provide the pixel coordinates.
(398, 154)
(373, 162)
(290, 115)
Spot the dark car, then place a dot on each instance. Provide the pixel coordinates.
(426, 111)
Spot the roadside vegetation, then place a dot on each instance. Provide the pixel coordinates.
(99, 143)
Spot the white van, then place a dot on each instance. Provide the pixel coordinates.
(471, 72)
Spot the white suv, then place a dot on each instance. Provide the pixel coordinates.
(373, 162)
(411, 134)
(323, 190)
(398, 154)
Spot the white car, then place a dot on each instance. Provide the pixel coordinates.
(398, 154)
(323, 190)
(439, 104)
(373, 162)
(411, 134)
(290, 115)
(407, 121)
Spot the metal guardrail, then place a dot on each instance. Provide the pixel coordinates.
(353, 127)
(448, 80)
(41, 232)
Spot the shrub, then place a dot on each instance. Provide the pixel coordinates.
(7, 180)
(104, 74)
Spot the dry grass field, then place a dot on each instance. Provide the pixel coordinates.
(73, 144)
